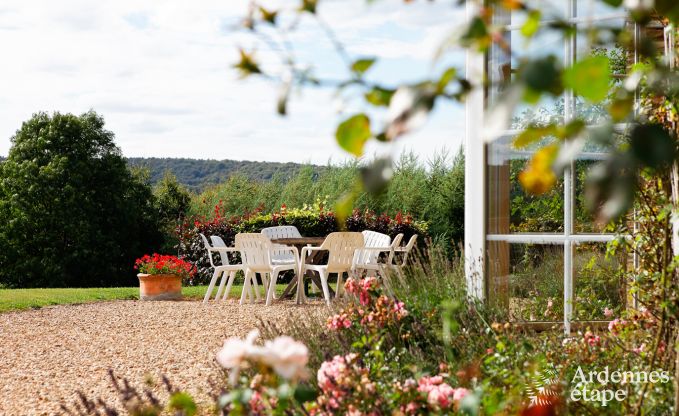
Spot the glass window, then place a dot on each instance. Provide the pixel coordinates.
(598, 283)
(528, 280)
(528, 270)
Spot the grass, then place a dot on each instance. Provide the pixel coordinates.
(20, 299)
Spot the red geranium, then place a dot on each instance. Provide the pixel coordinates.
(164, 264)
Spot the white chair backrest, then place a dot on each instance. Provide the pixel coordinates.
(408, 248)
(341, 247)
(223, 254)
(255, 250)
(207, 247)
(282, 231)
(372, 239)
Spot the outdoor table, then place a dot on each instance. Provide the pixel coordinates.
(314, 258)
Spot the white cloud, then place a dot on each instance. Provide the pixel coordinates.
(160, 73)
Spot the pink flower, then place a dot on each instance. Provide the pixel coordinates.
(639, 349)
(339, 321)
(459, 394)
(412, 408)
(616, 325)
(426, 384)
(591, 339)
(441, 395)
(364, 298)
(608, 312)
(330, 372)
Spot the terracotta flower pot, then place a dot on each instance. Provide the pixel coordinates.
(159, 286)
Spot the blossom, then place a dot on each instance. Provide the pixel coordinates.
(639, 349)
(616, 325)
(608, 312)
(591, 339)
(339, 321)
(441, 395)
(235, 353)
(287, 357)
(459, 394)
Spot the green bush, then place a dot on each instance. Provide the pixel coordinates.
(72, 212)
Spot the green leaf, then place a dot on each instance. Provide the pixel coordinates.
(305, 393)
(379, 96)
(268, 16)
(377, 175)
(570, 130)
(309, 6)
(542, 75)
(652, 145)
(247, 64)
(476, 34)
(183, 402)
(532, 23)
(362, 65)
(445, 79)
(589, 78)
(533, 134)
(352, 134)
(614, 3)
(620, 108)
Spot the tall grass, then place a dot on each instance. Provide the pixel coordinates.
(431, 190)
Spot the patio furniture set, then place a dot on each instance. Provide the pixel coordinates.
(279, 249)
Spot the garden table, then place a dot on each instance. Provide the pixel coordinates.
(314, 258)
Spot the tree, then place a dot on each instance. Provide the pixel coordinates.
(72, 213)
(172, 202)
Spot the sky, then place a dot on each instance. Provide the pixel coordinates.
(160, 73)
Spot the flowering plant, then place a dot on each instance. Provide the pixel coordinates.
(164, 264)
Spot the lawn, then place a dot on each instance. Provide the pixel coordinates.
(18, 299)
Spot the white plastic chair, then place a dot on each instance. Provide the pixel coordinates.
(368, 258)
(341, 248)
(281, 254)
(256, 251)
(224, 269)
(399, 265)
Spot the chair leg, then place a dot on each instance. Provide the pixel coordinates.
(246, 287)
(324, 283)
(271, 288)
(300, 286)
(229, 283)
(225, 276)
(256, 285)
(340, 286)
(211, 286)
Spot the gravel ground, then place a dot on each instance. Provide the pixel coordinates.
(47, 355)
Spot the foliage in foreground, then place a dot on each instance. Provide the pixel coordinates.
(420, 347)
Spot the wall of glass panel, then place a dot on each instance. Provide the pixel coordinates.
(545, 255)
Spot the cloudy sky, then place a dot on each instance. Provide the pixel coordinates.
(159, 71)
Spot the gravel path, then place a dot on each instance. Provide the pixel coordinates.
(46, 355)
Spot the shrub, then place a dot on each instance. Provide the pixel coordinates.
(72, 213)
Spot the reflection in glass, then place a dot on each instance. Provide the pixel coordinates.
(510, 208)
(598, 282)
(527, 280)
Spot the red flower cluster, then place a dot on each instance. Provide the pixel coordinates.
(164, 264)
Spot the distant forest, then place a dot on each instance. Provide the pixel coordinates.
(198, 174)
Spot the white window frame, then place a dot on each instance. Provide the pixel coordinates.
(476, 186)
